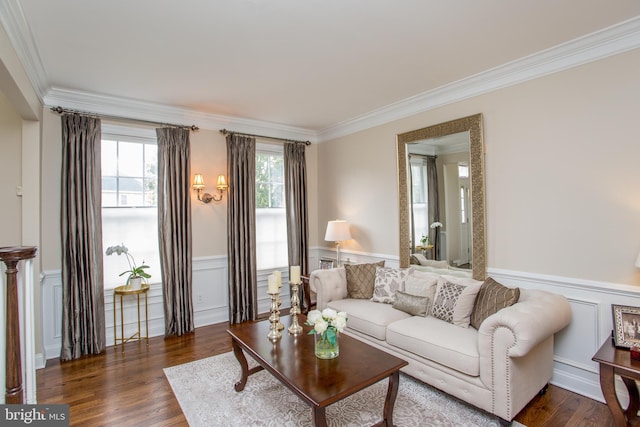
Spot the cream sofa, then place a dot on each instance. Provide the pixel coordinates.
(498, 368)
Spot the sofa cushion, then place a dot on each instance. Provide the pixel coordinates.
(361, 279)
(492, 297)
(438, 341)
(368, 317)
(387, 282)
(454, 300)
(411, 304)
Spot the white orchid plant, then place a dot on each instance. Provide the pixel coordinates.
(436, 224)
(327, 323)
(134, 270)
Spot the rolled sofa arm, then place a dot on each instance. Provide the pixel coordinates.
(537, 316)
(329, 285)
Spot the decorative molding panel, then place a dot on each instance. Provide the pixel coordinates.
(601, 44)
(590, 326)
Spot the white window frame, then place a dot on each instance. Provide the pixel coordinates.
(114, 264)
(271, 213)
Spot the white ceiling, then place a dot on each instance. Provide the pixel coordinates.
(309, 64)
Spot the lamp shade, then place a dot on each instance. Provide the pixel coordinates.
(337, 231)
(222, 182)
(198, 181)
(638, 261)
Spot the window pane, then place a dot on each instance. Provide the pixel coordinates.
(109, 191)
(130, 159)
(130, 192)
(262, 195)
(109, 158)
(271, 223)
(277, 196)
(277, 168)
(150, 160)
(271, 239)
(150, 192)
(137, 229)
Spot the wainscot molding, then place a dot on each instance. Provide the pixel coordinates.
(590, 326)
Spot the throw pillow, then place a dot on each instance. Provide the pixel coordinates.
(454, 300)
(411, 304)
(387, 282)
(361, 279)
(492, 297)
(422, 284)
(435, 264)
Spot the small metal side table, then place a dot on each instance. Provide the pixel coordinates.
(122, 291)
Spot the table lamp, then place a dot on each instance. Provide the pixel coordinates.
(337, 231)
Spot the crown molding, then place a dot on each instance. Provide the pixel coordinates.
(142, 110)
(601, 44)
(15, 24)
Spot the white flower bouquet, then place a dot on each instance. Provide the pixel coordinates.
(327, 323)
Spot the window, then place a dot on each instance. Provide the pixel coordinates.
(271, 222)
(129, 200)
(419, 208)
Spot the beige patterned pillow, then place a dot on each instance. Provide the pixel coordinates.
(388, 281)
(411, 304)
(361, 279)
(454, 300)
(492, 297)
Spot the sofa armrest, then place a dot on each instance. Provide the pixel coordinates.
(329, 285)
(537, 316)
(516, 349)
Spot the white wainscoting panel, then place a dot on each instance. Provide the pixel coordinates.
(590, 326)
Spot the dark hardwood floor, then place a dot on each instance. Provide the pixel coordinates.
(130, 389)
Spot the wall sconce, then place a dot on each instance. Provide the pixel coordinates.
(198, 185)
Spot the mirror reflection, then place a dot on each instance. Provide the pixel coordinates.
(441, 196)
(439, 202)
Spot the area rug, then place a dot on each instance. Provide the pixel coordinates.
(204, 389)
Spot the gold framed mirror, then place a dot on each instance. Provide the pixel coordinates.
(473, 126)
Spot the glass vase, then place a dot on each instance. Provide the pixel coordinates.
(324, 349)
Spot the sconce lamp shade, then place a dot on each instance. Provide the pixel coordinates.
(198, 181)
(222, 182)
(638, 261)
(337, 231)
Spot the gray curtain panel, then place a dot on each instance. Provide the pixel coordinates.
(174, 229)
(433, 206)
(241, 228)
(83, 327)
(295, 184)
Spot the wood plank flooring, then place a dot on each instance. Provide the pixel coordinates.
(130, 389)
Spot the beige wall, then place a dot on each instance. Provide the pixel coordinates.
(561, 174)
(10, 174)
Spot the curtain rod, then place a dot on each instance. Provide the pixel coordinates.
(230, 132)
(61, 110)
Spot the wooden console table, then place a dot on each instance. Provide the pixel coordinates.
(618, 361)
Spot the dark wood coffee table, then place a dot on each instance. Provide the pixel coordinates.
(316, 381)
